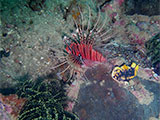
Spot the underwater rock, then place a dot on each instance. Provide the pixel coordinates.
(45, 101)
(153, 52)
(3, 114)
(142, 25)
(10, 106)
(4, 53)
(104, 99)
(143, 7)
(36, 5)
(144, 96)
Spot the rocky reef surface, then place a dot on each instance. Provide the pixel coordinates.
(103, 98)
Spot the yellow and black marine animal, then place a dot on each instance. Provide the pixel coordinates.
(124, 72)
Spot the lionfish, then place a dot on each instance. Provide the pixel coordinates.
(79, 51)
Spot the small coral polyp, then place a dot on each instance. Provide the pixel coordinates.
(79, 51)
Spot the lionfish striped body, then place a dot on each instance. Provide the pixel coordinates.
(79, 49)
(81, 52)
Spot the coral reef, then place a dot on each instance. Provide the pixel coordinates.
(31, 28)
(45, 101)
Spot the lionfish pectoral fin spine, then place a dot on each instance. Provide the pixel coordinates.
(65, 69)
(70, 76)
(59, 65)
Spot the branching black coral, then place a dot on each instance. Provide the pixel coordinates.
(46, 101)
(153, 52)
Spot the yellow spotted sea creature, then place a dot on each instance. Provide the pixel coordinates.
(124, 72)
